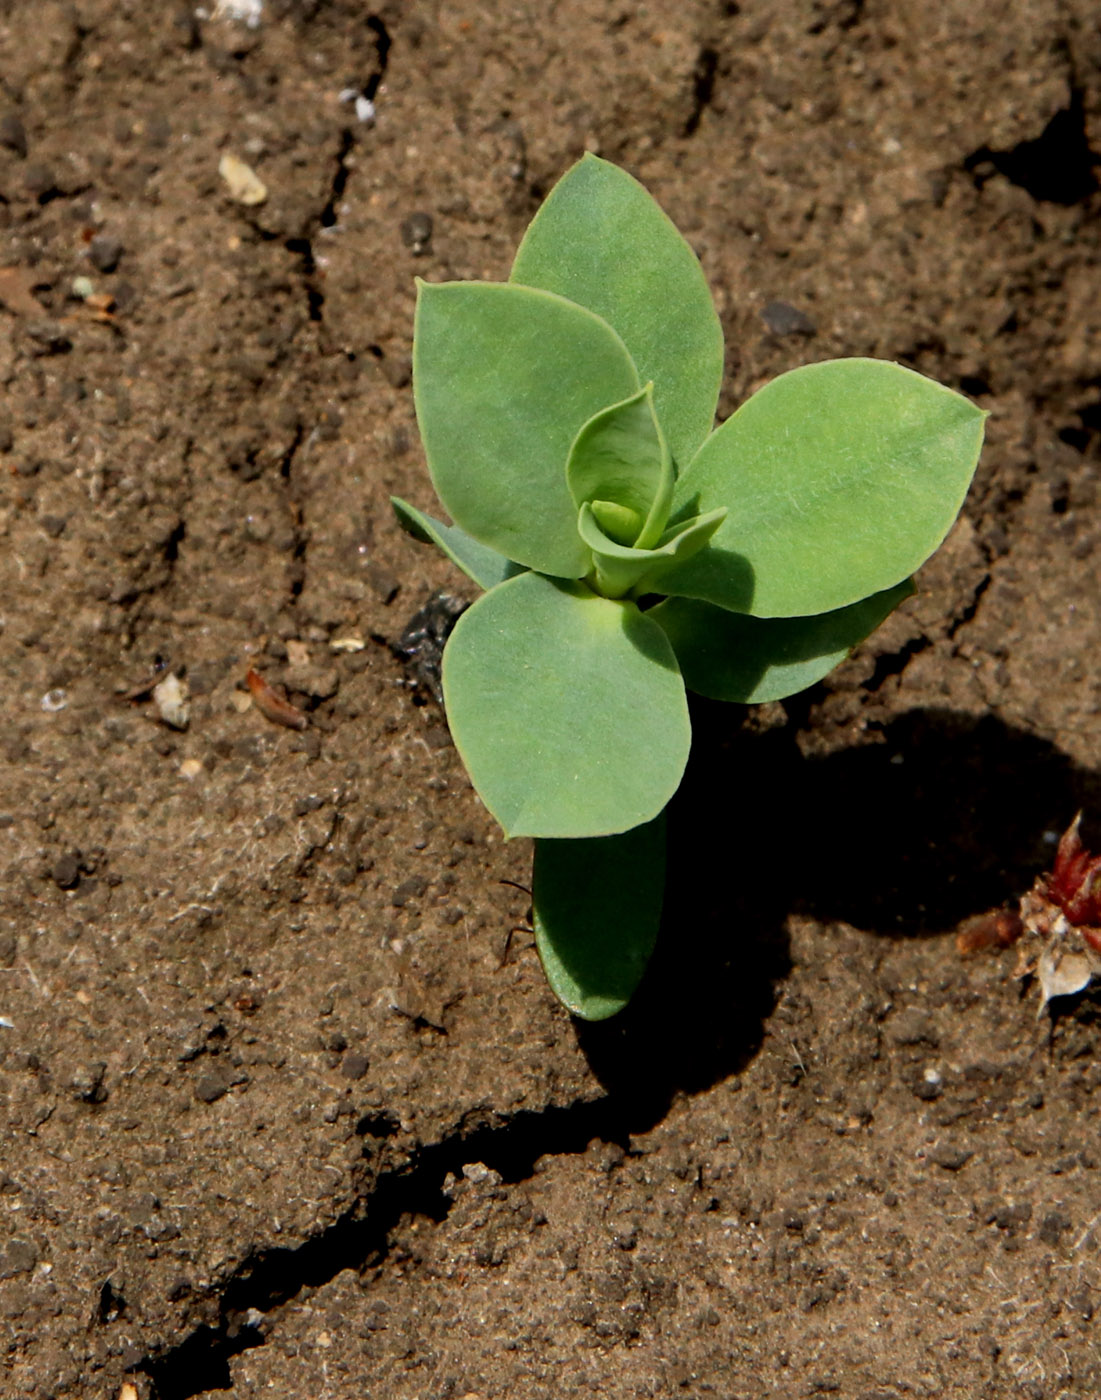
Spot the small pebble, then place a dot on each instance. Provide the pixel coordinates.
(87, 1083)
(66, 871)
(243, 183)
(209, 1088)
(173, 701)
(949, 1157)
(105, 252)
(354, 1065)
(13, 134)
(409, 889)
(416, 233)
(784, 319)
(39, 181)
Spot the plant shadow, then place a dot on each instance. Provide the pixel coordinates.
(946, 817)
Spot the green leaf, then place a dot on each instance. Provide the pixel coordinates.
(602, 241)
(619, 523)
(597, 909)
(620, 458)
(841, 479)
(621, 568)
(484, 565)
(730, 656)
(567, 708)
(504, 378)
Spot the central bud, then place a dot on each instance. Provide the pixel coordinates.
(621, 476)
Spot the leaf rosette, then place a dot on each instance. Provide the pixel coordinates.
(627, 548)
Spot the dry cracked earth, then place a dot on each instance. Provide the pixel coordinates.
(287, 1106)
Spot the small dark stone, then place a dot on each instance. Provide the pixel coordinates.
(305, 805)
(87, 1083)
(383, 582)
(27, 466)
(209, 1088)
(409, 889)
(912, 1027)
(949, 1157)
(39, 181)
(49, 337)
(66, 871)
(398, 370)
(416, 232)
(1012, 1217)
(1054, 1223)
(105, 252)
(53, 525)
(126, 298)
(784, 319)
(354, 1065)
(13, 133)
(1082, 1304)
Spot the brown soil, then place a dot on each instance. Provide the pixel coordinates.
(285, 1111)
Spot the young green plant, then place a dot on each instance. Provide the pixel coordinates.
(628, 549)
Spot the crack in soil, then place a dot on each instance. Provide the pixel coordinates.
(270, 1278)
(703, 87)
(301, 246)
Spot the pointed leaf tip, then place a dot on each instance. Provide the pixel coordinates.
(597, 906)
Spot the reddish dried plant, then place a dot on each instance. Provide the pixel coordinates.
(1075, 885)
(1057, 927)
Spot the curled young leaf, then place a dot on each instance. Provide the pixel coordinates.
(731, 656)
(567, 708)
(841, 478)
(484, 565)
(620, 569)
(597, 907)
(504, 377)
(602, 240)
(620, 464)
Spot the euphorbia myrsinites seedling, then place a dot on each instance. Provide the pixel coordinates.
(628, 550)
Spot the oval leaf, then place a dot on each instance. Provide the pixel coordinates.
(484, 565)
(504, 377)
(597, 906)
(602, 241)
(729, 656)
(567, 708)
(841, 479)
(620, 457)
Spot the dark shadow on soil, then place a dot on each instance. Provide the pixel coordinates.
(943, 818)
(1058, 166)
(360, 1239)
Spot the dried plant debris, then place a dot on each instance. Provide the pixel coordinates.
(1058, 925)
(272, 705)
